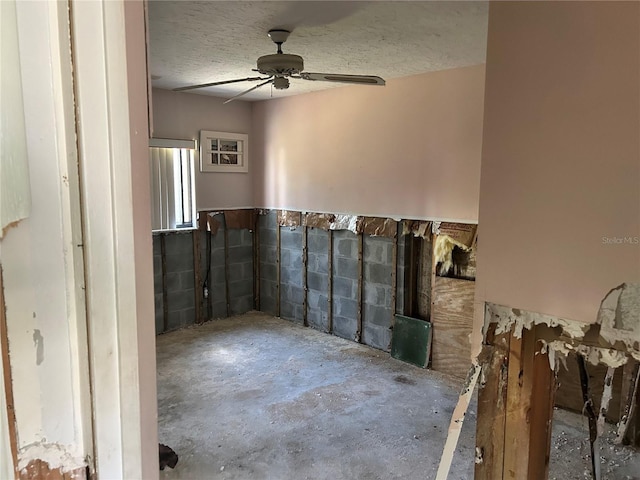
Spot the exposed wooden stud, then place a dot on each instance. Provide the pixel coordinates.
(8, 381)
(492, 400)
(226, 270)
(591, 415)
(210, 290)
(165, 301)
(305, 259)
(360, 286)
(607, 393)
(330, 280)
(277, 269)
(630, 387)
(412, 254)
(256, 265)
(197, 277)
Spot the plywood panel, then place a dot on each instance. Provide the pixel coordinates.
(452, 320)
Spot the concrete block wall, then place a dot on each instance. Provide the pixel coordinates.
(400, 275)
(216, 281)
(377, 291)
(317, 278)
(179, 279)
(345, 284)
(240, 270)
(267, 228)
(291, 274)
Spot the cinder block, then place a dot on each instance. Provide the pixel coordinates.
(179, 263)
(180, 300)
(317, 281)
(299, 313)
(178, 243)
(240, 253)
(346, 247)
(317, 263)
(346, 267)
(291, 276)
(374, 315)
(346, 307)
(344, 287)
(287, 310)
(345, 327)
(235, 236)
(157, 283)
(377, 273)
(187, 280)
(236, 272)
(156, 244)
(219, 309)
(318, 241)
(217, 240)
(268, 305)
(216, 275)
(290, 238)
(295, 294)
(240, 289)
(377, 337)
(268, 289)
(241, 305)
(188, 316)
(268, 236)
(269, 272)
(296, 259)
(374, 250)
(317, 300)
(217, 257)
(375, 294)
(317, 319)
(157, 264)
(268, 254)
(285, 257)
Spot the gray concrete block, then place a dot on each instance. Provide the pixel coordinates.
(237, 271)
(346, 247)
(317, 300)
(241, 305)
(345, 327)
(269, 272)
(155, 244)
(317, 281)
(187, 280)
(318, 241)
(240, 289)
(268, 289)
(299, 313)
(375, 249)
(157, 264)
(268, 254)
(296, 259)
(173, 281)
(285, 257)
(377, 273)
(268, 236)
(179, 263)
(291, 239)
(157, 283)
(216, 275)
(268, 305)
(217, 257)
(317, 263)
(295, 294)
(219, 309)
(346, 267)
(344, 287)
(180, 300)
(345, 307)
(217, 240)
(178, 243)
(317, 319)
(240, 253)
(287, 310)
(235, 236)
(375, 294)
(374, 315)
(377, 337)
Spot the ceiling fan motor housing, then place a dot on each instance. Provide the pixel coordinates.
(280, 64)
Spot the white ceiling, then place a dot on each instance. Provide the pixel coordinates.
(200, 42)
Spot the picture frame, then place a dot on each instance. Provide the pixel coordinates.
(224, 152)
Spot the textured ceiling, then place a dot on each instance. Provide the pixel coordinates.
(200, 42)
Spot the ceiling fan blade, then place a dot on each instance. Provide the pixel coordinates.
(337, 77)
(223, 82)
(246, 91)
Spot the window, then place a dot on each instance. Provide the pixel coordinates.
(172, 184)
(224, 152)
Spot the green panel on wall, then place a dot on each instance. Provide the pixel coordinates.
(411, 340)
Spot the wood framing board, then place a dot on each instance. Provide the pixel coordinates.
(226, 270)
(569, 394)
(8, 383)
(424, 280)
(452, 322)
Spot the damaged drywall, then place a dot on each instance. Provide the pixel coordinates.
(613, 338)
(56, 456)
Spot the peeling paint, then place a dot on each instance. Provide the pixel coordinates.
(507, 318)
(55, 455)
(559, 350)
(38, 342)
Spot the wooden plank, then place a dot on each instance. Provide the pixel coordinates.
(590, 414)
(425, 273)
(360, 286)
(631, 385)
(452, 320)
(394, 279)
(330, 280)
(8, 383)
(305, 274)
(492, 400)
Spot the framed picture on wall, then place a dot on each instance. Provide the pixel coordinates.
(224, 152)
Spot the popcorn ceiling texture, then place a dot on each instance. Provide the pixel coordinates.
(199, 42)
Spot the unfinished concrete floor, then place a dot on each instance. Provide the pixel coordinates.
(256, 397)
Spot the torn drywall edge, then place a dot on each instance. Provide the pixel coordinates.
(352, 223)
(417, 228)
(559, 350)
(319, 220)
(507, 319)
(462, 234)
(619, 317)
(55, 455)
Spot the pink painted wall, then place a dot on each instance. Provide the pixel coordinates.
(410, 149)
(560, 156)
(182, 116)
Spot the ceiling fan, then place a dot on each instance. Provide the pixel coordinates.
(279, 67)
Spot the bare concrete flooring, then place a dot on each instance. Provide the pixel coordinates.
(256, 397)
